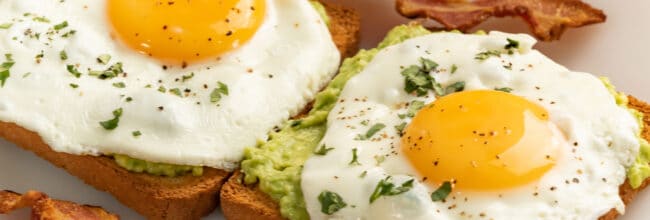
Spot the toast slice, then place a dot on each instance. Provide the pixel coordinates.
(157, 197)
(242, 202)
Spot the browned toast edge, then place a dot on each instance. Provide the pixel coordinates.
(156, 197)
(242, 202)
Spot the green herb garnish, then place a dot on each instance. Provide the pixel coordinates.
(104, 59)
(487, 54)
(188, 77)
(41, 19)
(442, 192)
(371, 132)
(512, 44)
(136, 133)
(218, 92)
(162, 89)
(454, 68)
(414, 107)
(386, 188)
(504, 89)
(400, 128)
(355, 158)
(418, 79)
(6, 25)
(4, 69)
(63, 55)
(176, 91)
(322, 150)
(455, 87)
(331, 202)
(112, 124)
(61, 26)
(73, 70)
(120, 85)
(74, 86)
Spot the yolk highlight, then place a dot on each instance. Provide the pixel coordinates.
(179, 31)
(482, 140)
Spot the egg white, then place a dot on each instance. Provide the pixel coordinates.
(582, 185)
(269, 79)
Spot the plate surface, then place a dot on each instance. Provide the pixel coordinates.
(617, 49)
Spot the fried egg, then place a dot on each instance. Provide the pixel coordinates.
(180, 82)
(454, 126)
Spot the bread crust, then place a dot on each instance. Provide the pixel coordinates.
(156, 197)
(243, 202)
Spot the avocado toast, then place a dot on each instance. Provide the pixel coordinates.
(273, 190)
(154, 196)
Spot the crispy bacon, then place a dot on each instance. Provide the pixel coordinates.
(548, 19)
(44, 208)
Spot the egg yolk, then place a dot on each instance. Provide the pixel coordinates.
(179, 31)
(482, 140)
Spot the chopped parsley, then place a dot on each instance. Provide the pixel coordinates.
(322, 150)
(162, 89)
(218, 92)
(176, 91)
(41, 19)
(4, 69)
(442, 192)
(129, 99)
(355, 158)
(512, 44)
(73, 70)
(188, 77)
(331, 202)
(112, 124)
(69, 33)
(120, 85)
(74, 86)
(386, 188)
(104, 59)
(109, 73)
(371, 132)
(455, 87)
(136, 133)
(61, 25)
(504, 89)
(454, 68)
(418, 80)
(6, 25)
(487, 54)
(400, 128)
(413, 108)
(63, 55)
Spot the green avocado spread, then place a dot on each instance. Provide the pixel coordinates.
(640, 170)
(171, 170)
(276, 165)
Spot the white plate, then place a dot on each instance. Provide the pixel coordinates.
(618, 49)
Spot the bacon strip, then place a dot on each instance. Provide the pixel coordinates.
(548, 19)
(45, 208)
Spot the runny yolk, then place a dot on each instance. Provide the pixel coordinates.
(183, 31)
(482, 140)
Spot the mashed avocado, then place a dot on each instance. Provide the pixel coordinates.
(160, 169)
(640, 170)
(276, 164)
(171, 170)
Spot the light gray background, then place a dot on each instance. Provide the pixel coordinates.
(618, 49)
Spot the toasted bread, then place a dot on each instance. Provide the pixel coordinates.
(156, 197)
(242, 202)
